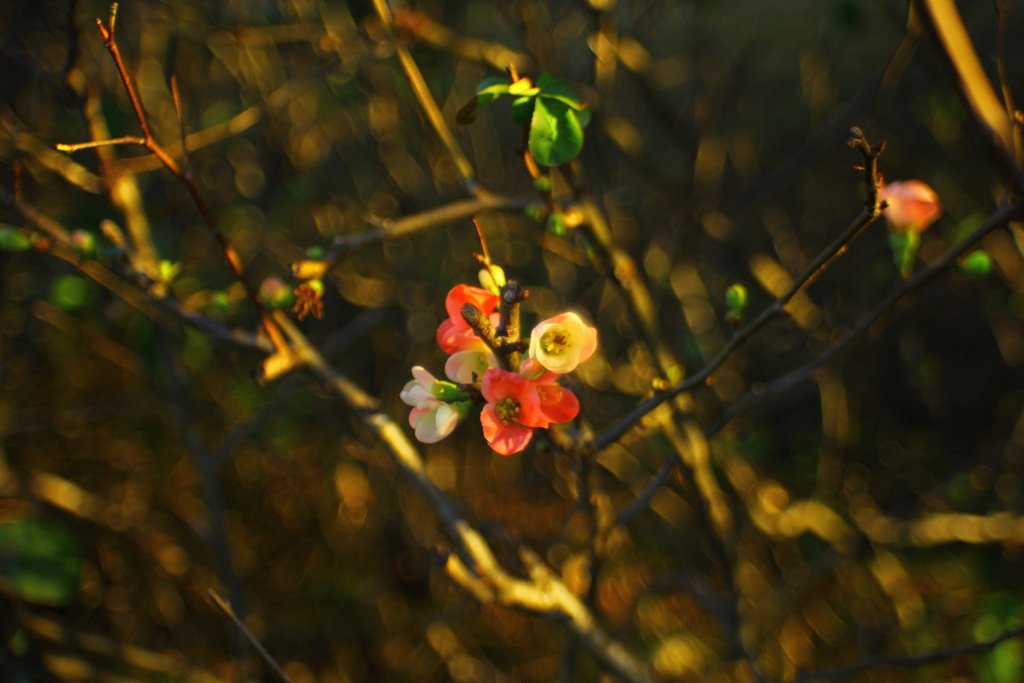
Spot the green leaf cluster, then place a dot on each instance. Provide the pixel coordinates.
(550, 108)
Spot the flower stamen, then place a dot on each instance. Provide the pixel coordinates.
(507, 409)
(556, 343)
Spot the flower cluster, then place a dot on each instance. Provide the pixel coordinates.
(516, 401)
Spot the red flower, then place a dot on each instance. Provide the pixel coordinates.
(513, 409)
(454, 334)
(556, 402)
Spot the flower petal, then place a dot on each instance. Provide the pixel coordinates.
(558, 403)
(460, 295)
(463, 365)
(503, 438)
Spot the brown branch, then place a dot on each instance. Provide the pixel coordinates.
(126, 140)
(908, 660)
(426, 100)
(266, 321)
(805, 372)
(389, 229)
(750, 399)
(481, 325)
(868, 214)
(943, 21)
(225, 607)
(477, 567)
(427, 31)
(142, 298)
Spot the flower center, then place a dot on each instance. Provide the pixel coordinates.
(556, 342)
(507, 409)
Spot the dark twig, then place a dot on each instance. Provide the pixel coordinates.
(868, 214)
(400, 227)
(483, 328)
(148, 141)
(752, 398)
(908, 660)
(805, 372)
(225, 607)
(242, 431)
(474, 566)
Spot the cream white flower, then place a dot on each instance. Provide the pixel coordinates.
(420, 388)
(563, 342)
(462, 366)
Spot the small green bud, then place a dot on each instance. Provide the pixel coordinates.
(276, 294)
(12, 239)
(736, 298)
(542, 183)
(977, 263)
(167, 270)
(556, 225)
(536, 211)
(904, 251)
(220, 301)
(315, 252)
(85, 242)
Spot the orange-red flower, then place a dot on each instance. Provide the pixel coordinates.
(556, 402)
(513, 409)
(455, 334)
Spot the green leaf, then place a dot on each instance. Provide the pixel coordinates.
(489, 90)
(522, 110)
(555, 133)
(40, 560)
(583, 115)
(558, 89)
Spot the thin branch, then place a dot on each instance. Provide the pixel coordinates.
(426, 100)
(126, 140)
(225, 607)
(908, 660)
(109, 41)
(805, 372)
(872, 209)
(480, 570)
(181, 126)
(142, 298)
(429, 32)
(242, 431)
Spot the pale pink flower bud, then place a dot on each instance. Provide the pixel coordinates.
(420, 388)
(433, 420)
(913, 206)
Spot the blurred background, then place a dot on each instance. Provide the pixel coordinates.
(141, 464)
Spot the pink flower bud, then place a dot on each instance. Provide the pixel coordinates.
(913, 206)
